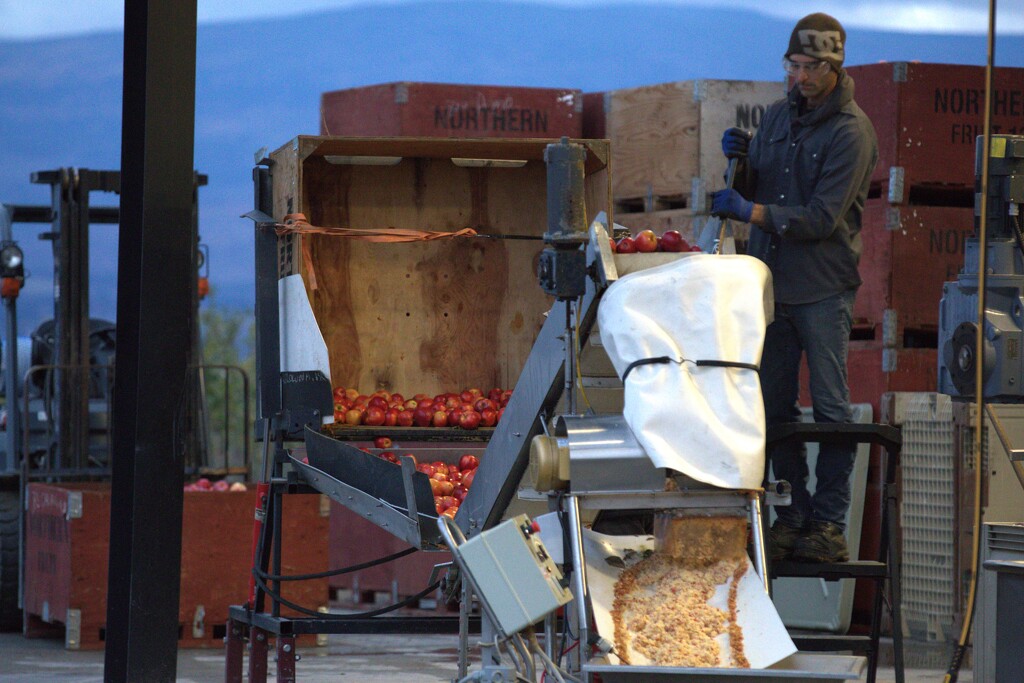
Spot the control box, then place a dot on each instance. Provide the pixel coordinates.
(513, 573)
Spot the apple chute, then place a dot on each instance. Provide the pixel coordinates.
(705, 421)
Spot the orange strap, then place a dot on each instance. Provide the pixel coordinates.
(296, 223)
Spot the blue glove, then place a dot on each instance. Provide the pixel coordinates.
(736, 143)
(731, 204)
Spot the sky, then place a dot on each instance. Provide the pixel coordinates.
(28, 19)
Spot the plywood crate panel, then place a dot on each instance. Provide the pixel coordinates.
(663, 136)
(927, 117)
(452, 110)
(425, 316)
(67, 549)
(909, 252)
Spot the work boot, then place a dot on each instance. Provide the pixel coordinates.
(823, 542)
(781, 539)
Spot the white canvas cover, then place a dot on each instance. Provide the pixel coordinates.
(703, 421)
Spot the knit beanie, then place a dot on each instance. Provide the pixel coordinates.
(820, 36)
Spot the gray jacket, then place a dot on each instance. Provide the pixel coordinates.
(812, 173)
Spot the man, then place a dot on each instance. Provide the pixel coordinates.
(806, 174)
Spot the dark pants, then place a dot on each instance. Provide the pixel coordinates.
(821, 330)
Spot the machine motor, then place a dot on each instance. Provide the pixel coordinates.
(1003, 363)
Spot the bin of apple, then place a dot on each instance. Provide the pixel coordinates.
(204, 484)
(468, 409)
(646, 242)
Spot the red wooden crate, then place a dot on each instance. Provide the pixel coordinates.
(927, 117)
(452, 111)
(355, 540)
(67, 547)
(909, 252)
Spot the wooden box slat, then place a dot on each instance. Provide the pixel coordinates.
(451, 110)
(425, 316)
(927, 116)
(67, 557)
(665, 135)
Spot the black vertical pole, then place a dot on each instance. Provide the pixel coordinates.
(154, 327)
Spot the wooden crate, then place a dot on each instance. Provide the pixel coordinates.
(663, 136)
(67, 548)
(450, 110)
(909, 252)
(426, 316)
(927, 117)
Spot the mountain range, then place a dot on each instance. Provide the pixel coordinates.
(258, 84)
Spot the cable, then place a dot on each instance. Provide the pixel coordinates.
(337, 572)
(965, 633)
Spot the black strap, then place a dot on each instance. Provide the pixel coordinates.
(661, 360)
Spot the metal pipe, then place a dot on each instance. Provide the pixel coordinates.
(757, 528)
(580, 580)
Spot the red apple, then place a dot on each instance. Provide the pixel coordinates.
(378, 402)
(495, 395)
(353, 416)
(220, 485)
(673, 241)
(238, 486)
(467, 479)
(466, 397)
(338, 393)
(426, 468)
(468, 462)
(626, 245)
(453, 417)
(470, 419)
(374, 416)
(695, 248)
(459, 493)
(483, 404)
(203, 484)
(646, 241)
(382, 442)
(396, 398)
(450, 512)
(421, 417)
(404, 418)
(352, 394)
(391, 417)
(411, 404)
(439, 419)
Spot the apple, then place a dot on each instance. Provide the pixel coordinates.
(467, 479)
(468, 462)
(421, 417)
(495, 395)
(470, 419)
(238, 486)
(426, 403)
(448, 501)
(338, 393)
(626, 245)
(391, 417)
(221, 485)
(446, 488)
(476, 393)
(451, 511)
(378, 402)
(353, 416)
(361, 400)
(459, 493)
(203, 483)
(396, 398)
(404, 418)
(488, 417)
(646, 241)
(352, 394)
(695, 248)
(419, 397)
(501, 411)
(389, 456)
(435, 488)
(382, 442)
(611, 243)
(673, 241)
(411, 404)
(452, 401)
(453, 417)
(505, 396)
(466, 397)
(426, 468)
(374, 416)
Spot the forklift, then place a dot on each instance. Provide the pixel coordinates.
(58, 382)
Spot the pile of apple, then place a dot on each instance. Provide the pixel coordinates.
(647, 242)
(204, 484)
(448, 483)
(468, 409)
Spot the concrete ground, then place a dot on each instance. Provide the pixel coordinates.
(373, 659)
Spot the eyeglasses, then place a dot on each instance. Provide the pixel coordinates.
(814, 68)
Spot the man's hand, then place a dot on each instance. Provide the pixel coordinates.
(731, 204)
(736, 143)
